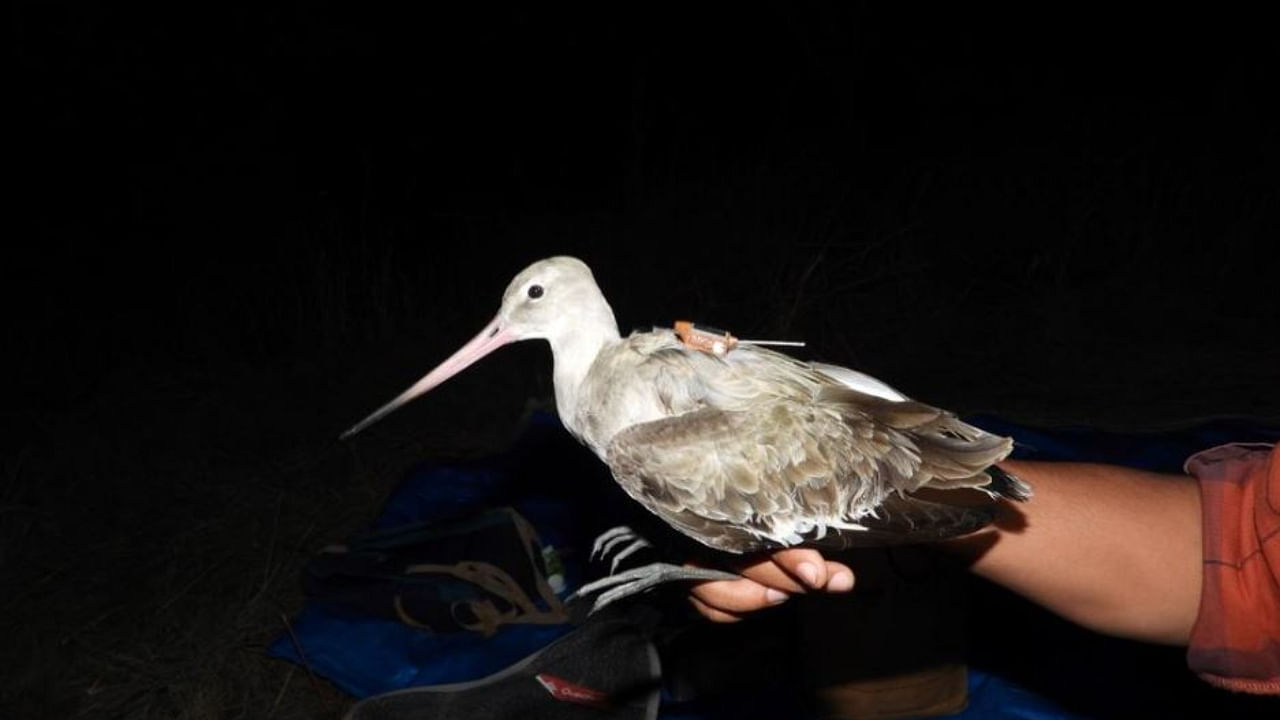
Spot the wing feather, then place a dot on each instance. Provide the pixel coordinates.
(756, 449)
(769, 477)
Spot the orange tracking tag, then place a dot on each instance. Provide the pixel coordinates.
(706, 339)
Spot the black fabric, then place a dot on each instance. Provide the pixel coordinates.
(469, 573)
(611, 654)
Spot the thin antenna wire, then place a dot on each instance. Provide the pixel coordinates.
(783, 343)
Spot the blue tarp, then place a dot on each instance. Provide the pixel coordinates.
(549, 479)
(567, 495)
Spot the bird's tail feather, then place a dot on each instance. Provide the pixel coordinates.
(907, 521)
(1007, 485)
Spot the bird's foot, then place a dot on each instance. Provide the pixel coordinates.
(637, 580)
(614, 537)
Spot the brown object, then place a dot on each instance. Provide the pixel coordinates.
(894, 647)
(707, 339)
(941, 690)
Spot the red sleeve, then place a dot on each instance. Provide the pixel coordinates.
(1235, 643)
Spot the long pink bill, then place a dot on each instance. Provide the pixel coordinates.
(492, 337)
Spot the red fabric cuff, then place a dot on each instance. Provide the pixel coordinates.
(1235, 643)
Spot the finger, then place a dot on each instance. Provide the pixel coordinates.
(803, 564)
(712, 613)
(770, 574)
(738, 596)
(766, 571)
(839, 577)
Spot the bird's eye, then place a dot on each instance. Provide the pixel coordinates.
(535, 291)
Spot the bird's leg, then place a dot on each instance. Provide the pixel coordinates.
(630, 582)
(637, 580)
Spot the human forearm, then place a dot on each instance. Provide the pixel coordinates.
(1113, 549)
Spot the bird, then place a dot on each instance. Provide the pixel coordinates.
(743, 450)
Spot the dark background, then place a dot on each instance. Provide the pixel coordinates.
(237, 230)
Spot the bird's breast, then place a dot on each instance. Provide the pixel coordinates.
(610, 408)
(623, 389)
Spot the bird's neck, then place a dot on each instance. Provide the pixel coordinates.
(574, 351)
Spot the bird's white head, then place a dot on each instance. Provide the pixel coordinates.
(551, 299)
(556, 299)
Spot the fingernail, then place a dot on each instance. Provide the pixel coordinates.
(840, 582)
(775, 596)
(809, 573)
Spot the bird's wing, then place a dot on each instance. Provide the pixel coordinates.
(742, 480)
(775, 454)
(951, 452)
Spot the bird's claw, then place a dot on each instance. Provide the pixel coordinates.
(638, 544)
(609, 538)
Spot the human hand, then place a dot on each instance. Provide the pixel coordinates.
(769, 581)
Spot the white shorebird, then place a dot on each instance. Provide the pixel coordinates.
(743, 450)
